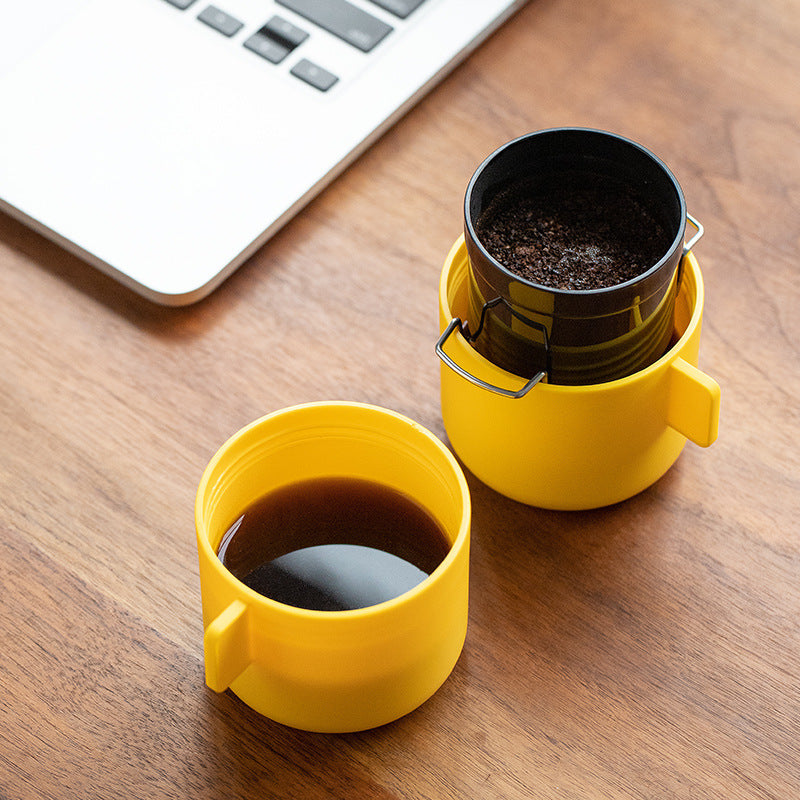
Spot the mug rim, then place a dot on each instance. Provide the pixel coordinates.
(460, 541)
(600, 291)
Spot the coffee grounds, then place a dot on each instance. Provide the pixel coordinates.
(575, 235)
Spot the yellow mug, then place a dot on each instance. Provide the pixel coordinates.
(333, 671)
(573, 447)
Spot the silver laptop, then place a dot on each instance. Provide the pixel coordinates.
(164, 141)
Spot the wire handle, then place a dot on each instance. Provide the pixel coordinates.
(448, 331)
(696, 238)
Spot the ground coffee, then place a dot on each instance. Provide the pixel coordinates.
(575, 233)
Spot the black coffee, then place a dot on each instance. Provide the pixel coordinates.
(579, 232)
(333, 544)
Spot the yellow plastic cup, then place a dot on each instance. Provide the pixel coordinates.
(333, 671)
(572, 447)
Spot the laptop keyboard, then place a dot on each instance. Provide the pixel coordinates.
(342, 19)
(278, 38)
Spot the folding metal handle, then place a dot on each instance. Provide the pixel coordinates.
(448, 331)
(696, 238)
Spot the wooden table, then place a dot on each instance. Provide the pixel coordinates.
(646, 650)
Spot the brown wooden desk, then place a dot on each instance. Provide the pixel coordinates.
(648, 650)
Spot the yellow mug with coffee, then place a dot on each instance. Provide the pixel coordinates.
(359, 659)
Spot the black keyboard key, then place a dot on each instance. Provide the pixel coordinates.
(284, 32)
(342, 19)
(267, 48)
(400, 8)
(220, 21)
(182, 4)
(312, 74)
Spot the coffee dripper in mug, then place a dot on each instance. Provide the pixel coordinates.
(574, 399)
(574, 336)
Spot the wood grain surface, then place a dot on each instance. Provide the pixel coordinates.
(646, 650)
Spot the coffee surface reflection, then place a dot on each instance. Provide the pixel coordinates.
(333, 544)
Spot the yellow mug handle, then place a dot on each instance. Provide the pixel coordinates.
(227, 646)
(694, 401)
